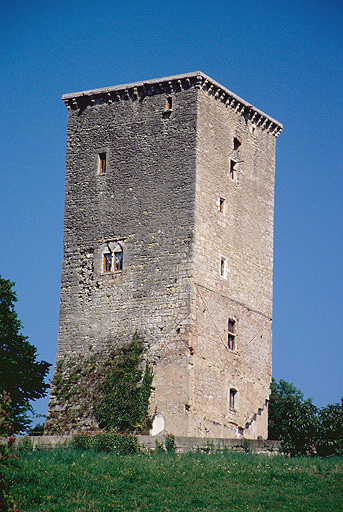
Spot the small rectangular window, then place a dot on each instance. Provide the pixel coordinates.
(107, 262)
(233, 169)
(231, 335)
(232, 398)
(169, 103)
(236, 143)
(102, 163)
(221, 204)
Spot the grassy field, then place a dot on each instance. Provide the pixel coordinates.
(71, 480)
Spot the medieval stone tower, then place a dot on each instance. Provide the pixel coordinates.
(169, 231)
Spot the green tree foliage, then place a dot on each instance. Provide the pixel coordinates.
(21, 375)
(7, 500)
(292, 420)
(126, 391)
(330, 434)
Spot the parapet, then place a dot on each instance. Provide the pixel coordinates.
(170, 84)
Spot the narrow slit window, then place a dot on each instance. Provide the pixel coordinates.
(221, 204)
(222, 266)
(169, 103)
(233, 169)
(232, 398)
(107, 262)
(102, 163)
(231, 334)
(236, 143)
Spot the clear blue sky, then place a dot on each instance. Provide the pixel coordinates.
(283, 57)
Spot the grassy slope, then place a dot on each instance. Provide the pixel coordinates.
(68, 480)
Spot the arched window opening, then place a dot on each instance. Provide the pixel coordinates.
(112, 257)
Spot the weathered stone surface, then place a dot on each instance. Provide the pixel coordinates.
(167, 169)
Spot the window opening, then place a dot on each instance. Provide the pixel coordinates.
(222, 266)
(236, 143)
(118, 261)
(233, 169)
(221, 204)
(102, 163)
(107, 262)
(169, 103)
(231, 335)
(232, 398)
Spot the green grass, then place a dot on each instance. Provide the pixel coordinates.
(71, 480)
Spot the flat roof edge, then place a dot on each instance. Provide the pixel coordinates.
(87, 94)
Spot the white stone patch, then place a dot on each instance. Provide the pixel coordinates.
(157, 425)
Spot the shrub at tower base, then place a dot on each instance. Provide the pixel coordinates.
(126, 391)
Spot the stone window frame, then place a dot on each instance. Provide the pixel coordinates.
(169, 106)
(101, 151)
(233, 398)
(112, 249)
(222, 205)
(232, 335)
(233, 171)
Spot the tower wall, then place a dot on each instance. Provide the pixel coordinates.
(145, 201)
(240, 232)
(168, 146)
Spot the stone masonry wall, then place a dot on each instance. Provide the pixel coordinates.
(241, 234)
(168, 146)
(146, 201)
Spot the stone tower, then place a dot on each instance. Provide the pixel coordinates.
(168, 230)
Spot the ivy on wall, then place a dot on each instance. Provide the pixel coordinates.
(125, 393)
(109, 390)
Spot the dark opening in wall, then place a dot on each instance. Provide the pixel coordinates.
(222, 266)
(236, 143)
(231, 334)
(233, 169)
(232, 398)
(102, 163)
(169, 103)
(221, 204)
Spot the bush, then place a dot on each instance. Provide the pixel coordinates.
(330, 436)
(25, 445)
(82, 442)
(121, 444)
(170, 443)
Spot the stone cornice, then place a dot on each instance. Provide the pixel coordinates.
(176, 83)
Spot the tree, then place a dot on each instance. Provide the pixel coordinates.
(21, 375)
(292, 420)
(330, 435)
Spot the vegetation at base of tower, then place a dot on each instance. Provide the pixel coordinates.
(72, 480)
(302, 428)
(120, 444)
(21, 375)
(125, 393)
(84, 384)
